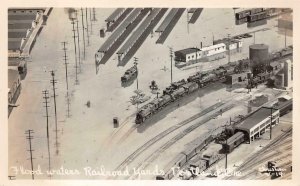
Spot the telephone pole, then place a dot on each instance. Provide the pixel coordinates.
(87, 26)
(79, 53)
(82, 22)
(171, 56)
(91, 23)
(94, 15)
(54, 81)
(46, 97)
(67, 83)
(66, 63)
(30, 137)
(137, 80)
(76, 67)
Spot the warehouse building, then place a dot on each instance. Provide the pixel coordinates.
(190, 54)
(231, 44)
(14, 88)
(257, 123)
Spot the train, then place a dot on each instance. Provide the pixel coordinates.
(245, 13)
(256, 14)
(199, 80)
(185, 156)
(184, 87)
(129, 74)
(195, 162)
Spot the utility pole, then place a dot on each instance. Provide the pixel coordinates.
(171, 56)
(87, 26)
(46, 97)
(187, 21)
(82, 22)
(76, 65)
(229, 48)
(67, 83)
(94, 15)
(30, 137)
(90, 11)
(79, 53)
(54, 81)
(137, 80)
(66, 64)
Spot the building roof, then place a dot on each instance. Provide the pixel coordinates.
(14, 45)
(213, 47)
(13, 76)
(255, 118)
(188, 51)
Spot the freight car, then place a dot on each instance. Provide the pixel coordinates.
(284, 106)
(256, 17)
(233, 142)
(184, 87)
(245, 13)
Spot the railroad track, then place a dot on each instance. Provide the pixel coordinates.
(112, 136)
(252, 160)
(179, 136)
(164, 133)
(152, 141)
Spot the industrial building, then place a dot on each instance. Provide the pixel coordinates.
(14, 88)
(21, 23)
(189, 54)
(231, 44)
(237, 78)
(257, 123)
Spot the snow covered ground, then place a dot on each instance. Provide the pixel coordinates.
(85, 137)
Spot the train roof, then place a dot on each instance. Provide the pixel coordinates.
(233, 138)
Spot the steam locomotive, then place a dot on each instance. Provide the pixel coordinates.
(184, 87)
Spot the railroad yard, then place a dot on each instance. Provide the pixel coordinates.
(99, 128)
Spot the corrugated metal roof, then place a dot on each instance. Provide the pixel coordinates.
(255, 118)
(188, 51)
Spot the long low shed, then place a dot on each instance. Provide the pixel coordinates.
(138, 32)
(167, 20)
(117, 33)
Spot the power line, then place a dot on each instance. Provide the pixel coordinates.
(94, 15)
(87, 27)
(30, 137)
(171, 56)
(76, 67)
(46, 97)
(54, 81)
(66, 63)
(82, 22)
(91, 23)
(79, 53)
